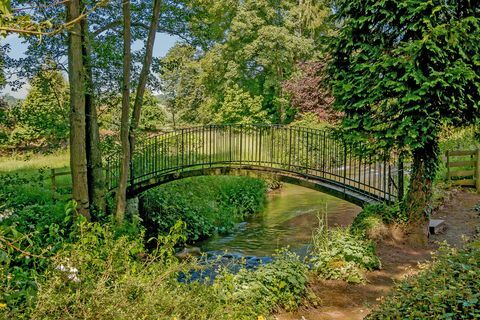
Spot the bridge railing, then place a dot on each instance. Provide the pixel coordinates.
(312, 153)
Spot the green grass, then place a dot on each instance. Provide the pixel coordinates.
(31, 163)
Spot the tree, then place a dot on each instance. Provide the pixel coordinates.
(121, 196)
(179, 73)
(309, 91)
(43, 115)
(256, 47)
(400, 70)
(128, 127)
(78, 135)
(239, 107)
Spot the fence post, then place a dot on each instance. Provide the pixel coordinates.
(290, 150)
(447, 154)
(477, 172)
(54, 185)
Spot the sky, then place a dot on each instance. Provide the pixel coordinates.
(163, 43)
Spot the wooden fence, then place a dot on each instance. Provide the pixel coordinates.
(57, 173)
(463, 168)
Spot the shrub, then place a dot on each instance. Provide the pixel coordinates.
(340, 254)
(374, 217)
(101, 276)
(281, 283)
(449, 289)
(33, 227)
(208, 205)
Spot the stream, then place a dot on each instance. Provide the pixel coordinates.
(288, 219)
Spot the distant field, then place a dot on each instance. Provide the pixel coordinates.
(31, 163)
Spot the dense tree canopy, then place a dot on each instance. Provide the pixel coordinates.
(253, 51)
(400, 70)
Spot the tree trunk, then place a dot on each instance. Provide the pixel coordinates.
(124, 125)
(142, 81)
(76, 75)
(424, 168)
(96, 179)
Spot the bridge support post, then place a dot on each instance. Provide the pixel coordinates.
(133, 208)
(401, 177)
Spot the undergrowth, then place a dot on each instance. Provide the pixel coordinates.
(448, 288)
(341, 254)
(100, 275)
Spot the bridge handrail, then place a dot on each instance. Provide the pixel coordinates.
(294, 149)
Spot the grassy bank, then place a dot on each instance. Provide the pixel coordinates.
(208, 205)
(29, 163)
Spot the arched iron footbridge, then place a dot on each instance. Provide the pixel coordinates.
(312, 158)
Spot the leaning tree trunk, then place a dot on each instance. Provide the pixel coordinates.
(96, 179)
(76, 75)
(142, 81)
(124, 125)
(424, 168)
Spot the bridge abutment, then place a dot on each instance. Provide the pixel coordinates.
(133, 207)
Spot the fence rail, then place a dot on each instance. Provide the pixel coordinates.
(467, 171)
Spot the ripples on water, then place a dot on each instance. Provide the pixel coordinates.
(289, 218)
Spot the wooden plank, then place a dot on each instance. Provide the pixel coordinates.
(462, 153)
(462, 173)
(464, 182)
(57, 174)
(470, 163)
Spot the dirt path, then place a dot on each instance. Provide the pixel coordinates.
(341, 301)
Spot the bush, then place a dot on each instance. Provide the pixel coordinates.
(208, 205)
(281, 283)
(339, 254)
(449, 289)
(102, 276)
(33, 227)
(374, 217)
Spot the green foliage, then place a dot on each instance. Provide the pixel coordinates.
(459, 139)
(374, 215)
(340, 254)
(153, 115)
(104, 276)
(43, 116)
(208, 205)
(246, 53)
(240, 107)
(402, 69)
(310, 120)
(448, 289)
(33, 226)
(281, 283)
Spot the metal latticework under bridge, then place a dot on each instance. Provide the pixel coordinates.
(313, 158)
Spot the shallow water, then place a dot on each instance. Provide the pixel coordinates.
(288, 219)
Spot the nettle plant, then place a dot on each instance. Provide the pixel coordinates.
(402, 69)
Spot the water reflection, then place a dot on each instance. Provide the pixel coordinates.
(289, 218)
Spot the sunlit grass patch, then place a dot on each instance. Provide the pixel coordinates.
(30, 163)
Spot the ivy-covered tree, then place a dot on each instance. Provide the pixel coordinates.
(401, 69)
